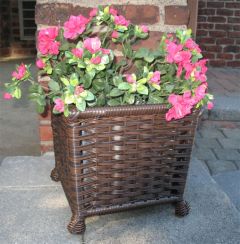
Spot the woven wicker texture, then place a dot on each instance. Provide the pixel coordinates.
(111, 159)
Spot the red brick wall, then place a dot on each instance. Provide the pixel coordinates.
(159, 15)
(10, 43)
(218, 31)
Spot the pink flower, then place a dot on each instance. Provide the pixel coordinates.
(59, 105)
(210, 105)
(115, 34)
(78, 90)
(105, 51)
(46, 41)
(113, 11)
(7, 96)
(93, 12)
(144, 28)
(96, 60)
(182, 57)
(179, 71)
(131, 78)
(200, 92)
(78, 52)
(192, 45)
(156, 77)
(20, 73)
(75, 26)
(92, 44)
(40, 64)
(173, 49)
(120, 20)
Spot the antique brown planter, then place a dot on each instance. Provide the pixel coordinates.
(112, 159)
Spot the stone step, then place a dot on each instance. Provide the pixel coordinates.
(34, 210)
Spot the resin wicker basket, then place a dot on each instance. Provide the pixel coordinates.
(112, 159)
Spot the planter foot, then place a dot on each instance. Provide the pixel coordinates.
(182, 208)
(76, 225)
(54, 175)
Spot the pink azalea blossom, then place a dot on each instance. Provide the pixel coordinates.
(59, 105)
(96, 60)
(40, 64)
(200, 92)
(7, 96)
(78, 52)
(173, 49)
(131, 78)
(120, 20)
(105, 51)
(192, 45)
(20, 73)
(182, 57)
(75, 26)
(93, 12)
(182, 106)
(115, 34)
(46, 41)
(144, 28)
(156, 77)
(113, 11)
(92, 44)
(78, 90)
(210, 105)
(179, 70)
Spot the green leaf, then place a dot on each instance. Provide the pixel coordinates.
(74, 79)
(17, 93)
(115, 92)
(114, 102)
(105, 59)
(141, 52)
(100, 67)
(66, 111)
(53, 85)
(156, 86)
(141, 89)
(69, 98)
(98, 84)
(40, 108)
(64, 46)
(49, 70)
(149, 58)
(90, 96)
(117, 80)
(142, 81)
(129, 98)
(64, 81)
(124, 86)
(81, 105)
(155, 99)
(169, 88)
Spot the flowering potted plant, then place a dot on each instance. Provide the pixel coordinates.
(123, 119)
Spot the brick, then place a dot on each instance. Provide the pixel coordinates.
(225, 12)
(217, 19)
(223, 27)
(227, 154)
(225, 41)
(237, 13)
(228, 56)
(234, 20)
(202, 33)
(232, 48)
(234, 34)
(206, 40)
(208, 55)
(217, 63)
(46, 147)
(230, 143)
(237, 56)
(206, 11)
(233, 64)
(219, 166)
(202, 18)
(51, 14)
(202, 4)
(45, 133)
(176, 15)
(205, 26)
(213, 48)
(233, 5)
(215, 4)
(236, 27)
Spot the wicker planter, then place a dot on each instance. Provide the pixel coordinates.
(116, 158)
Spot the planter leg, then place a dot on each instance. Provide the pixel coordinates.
(76, 225)
(54, 175)
(182, 208)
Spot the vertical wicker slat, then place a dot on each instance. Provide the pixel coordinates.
(116, 158)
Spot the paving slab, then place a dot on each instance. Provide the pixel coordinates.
(207, 143)
(39, 214)
(219, 166)
(231, 133)
(230, 183)
(203, 153)
(230, 143)
(227, 154)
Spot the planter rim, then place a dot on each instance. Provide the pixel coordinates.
(123, 110)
